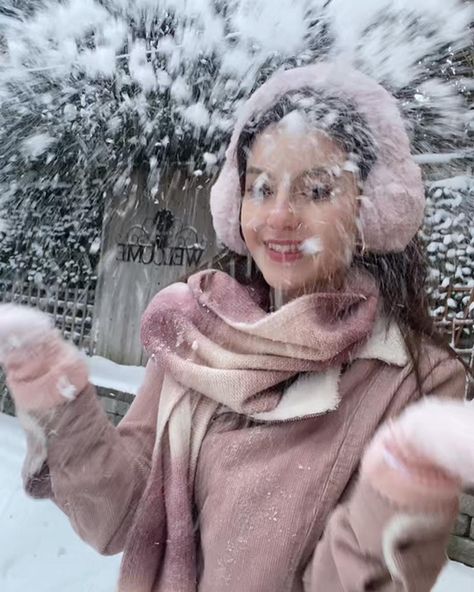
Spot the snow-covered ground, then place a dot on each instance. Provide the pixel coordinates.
(40, 552)
(38, 549)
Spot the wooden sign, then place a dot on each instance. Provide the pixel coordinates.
(147, 244)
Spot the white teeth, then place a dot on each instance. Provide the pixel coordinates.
(284, 248)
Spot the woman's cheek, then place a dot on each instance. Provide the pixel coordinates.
(250, 223)
(338, 245)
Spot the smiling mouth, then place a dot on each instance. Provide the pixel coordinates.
(284, 252)
(284, 247)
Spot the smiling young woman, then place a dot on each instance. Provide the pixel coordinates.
(301, 168)
(299, 210)
(277, 443)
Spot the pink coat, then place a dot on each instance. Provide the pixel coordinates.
(278, 506)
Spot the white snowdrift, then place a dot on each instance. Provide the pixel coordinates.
(108, 374)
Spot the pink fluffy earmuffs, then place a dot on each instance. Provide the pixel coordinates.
(392, 204)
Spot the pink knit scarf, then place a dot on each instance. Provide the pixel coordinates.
(218, 346)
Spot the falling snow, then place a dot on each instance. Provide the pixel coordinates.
(90, 89)
(312, 246)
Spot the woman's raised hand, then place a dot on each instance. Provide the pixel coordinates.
(426, 455)
(20, 328)
(42, 369)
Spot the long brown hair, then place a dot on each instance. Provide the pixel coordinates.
(402, 279)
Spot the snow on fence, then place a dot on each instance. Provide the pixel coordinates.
(461, 324)
(71, 307)
(458, 325)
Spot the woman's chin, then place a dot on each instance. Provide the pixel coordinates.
(284, 284)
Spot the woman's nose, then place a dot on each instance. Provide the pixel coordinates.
(282, 215)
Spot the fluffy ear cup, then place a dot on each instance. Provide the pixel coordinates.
(392, 205)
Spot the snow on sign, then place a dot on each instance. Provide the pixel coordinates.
(162, 241)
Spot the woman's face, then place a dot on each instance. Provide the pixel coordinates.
(299, 210)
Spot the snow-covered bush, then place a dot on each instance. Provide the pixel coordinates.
(449, 238)
(51, 237)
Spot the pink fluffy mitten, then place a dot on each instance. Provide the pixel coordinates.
(42, 370)
(423, 458)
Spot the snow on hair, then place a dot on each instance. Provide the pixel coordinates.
(331, 114)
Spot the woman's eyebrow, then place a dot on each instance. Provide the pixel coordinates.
(251, 170)
(316, 171)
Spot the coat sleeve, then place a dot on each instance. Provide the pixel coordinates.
(372, 543)
(95, 472)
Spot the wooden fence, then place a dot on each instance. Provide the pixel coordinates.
(71, 307)
(460, 326)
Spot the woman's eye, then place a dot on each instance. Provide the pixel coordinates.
(320, 192)
(260, 191)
